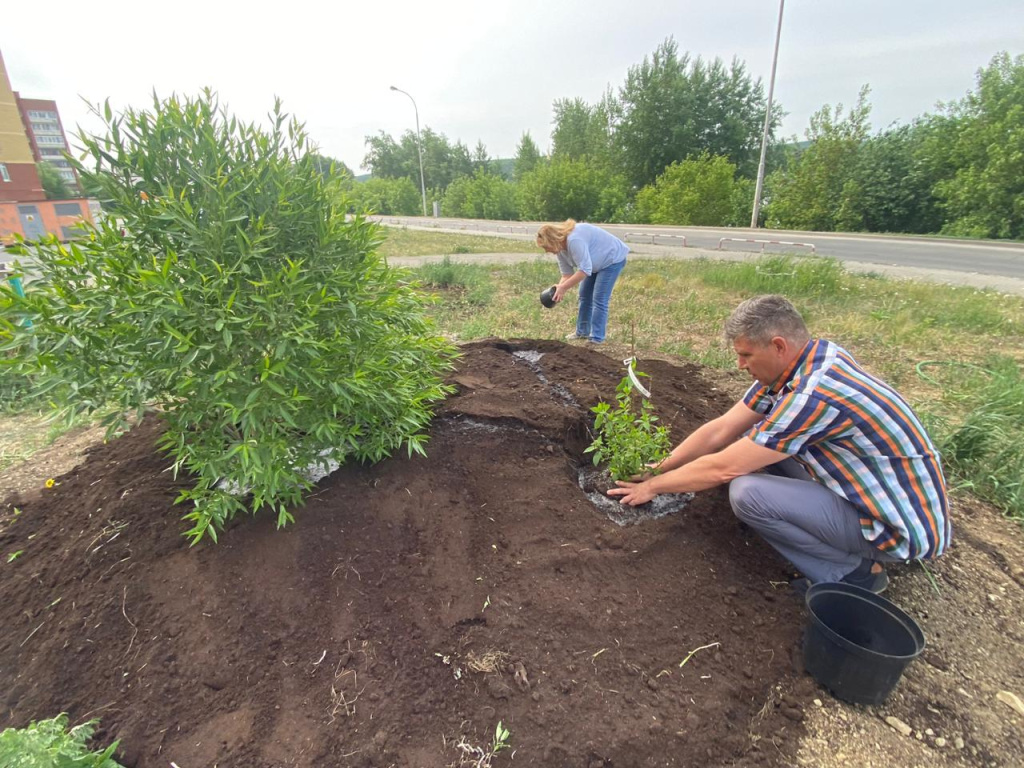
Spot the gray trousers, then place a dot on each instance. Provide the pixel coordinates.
(809, 525)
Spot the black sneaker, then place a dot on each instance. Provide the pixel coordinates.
(861, 576)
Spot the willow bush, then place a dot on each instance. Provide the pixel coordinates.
(232, 294)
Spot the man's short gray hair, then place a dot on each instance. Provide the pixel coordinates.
(762, 318)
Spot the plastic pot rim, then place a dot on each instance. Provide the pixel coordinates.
(877, 601)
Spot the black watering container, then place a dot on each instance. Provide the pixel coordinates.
(857, 643)
(547, 298)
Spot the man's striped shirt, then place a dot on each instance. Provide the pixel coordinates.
(858, 437)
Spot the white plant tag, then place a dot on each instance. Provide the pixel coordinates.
(628, 362)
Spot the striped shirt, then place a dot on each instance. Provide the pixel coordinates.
(858, 437)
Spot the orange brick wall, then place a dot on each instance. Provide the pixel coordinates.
(10, 220)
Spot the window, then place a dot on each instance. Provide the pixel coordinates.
(50, 140)
(67, 209)
(3, 173)
(68, 233)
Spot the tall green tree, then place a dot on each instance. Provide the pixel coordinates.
(820, 191)
(55, 187)
(481, 160)
(985, 195)
(896, 183)
(583, 130)
(672, 107)
(385, 157)
(442, 161)
(569, 139)
(527, 157)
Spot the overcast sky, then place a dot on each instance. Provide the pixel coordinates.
(488, 69)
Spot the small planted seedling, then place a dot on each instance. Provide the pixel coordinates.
(481, 757)
(628, 438)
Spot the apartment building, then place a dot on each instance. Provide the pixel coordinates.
(19, 180)
(31, 132)
(46, 136)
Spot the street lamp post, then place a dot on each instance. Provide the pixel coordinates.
(767, 123)
(419, 147)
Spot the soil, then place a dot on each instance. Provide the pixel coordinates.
(416, 603)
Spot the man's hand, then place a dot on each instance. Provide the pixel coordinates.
(632, 494)
(653, 468)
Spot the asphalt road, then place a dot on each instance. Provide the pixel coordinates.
(978, 257)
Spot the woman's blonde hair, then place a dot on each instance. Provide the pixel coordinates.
(552, 237)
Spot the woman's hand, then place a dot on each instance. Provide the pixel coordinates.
(560, 290)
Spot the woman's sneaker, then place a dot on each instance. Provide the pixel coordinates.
(574, 337)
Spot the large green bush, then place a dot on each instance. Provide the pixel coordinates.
(483, 195)
(698, 191)
(398, 197)
(575, 189)
(234, 296)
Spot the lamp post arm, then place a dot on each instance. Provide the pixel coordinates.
(419, 147)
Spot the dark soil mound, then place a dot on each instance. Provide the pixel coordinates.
(414, 604)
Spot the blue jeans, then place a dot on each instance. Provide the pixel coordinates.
(595, 298)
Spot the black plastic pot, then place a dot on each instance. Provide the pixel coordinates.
(547, 298)
(857, 643)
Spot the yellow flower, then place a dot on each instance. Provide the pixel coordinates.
(50, 483)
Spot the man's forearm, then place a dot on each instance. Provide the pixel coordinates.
(697, 475)
(707, 439)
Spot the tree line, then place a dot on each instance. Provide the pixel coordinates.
(679, 141)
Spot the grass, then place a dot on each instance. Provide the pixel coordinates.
(955, 353)
(983, 446)
(457, 282)
(411, 242)
(23, 434)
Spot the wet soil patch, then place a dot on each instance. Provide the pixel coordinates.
(413, 603)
